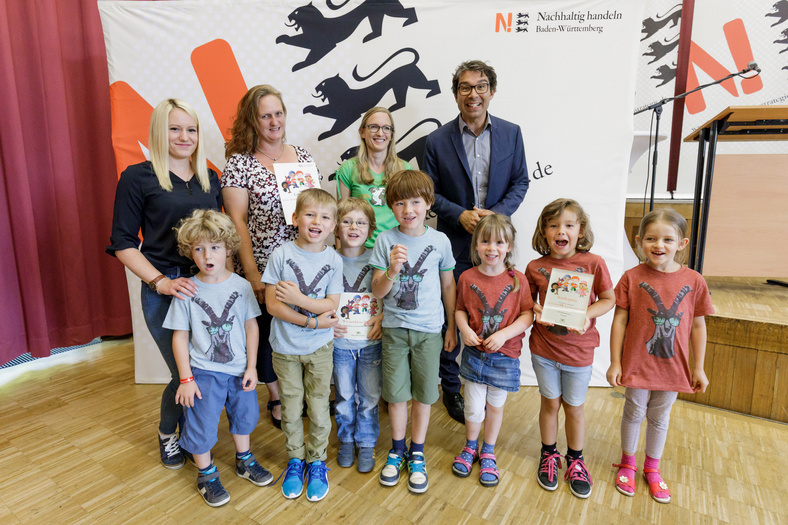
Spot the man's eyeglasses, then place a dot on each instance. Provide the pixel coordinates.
(374, 128)
(347, 223)
(481, 88)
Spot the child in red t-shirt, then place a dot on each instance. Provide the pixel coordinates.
(493, 338)
(562, 358)
(660, 309)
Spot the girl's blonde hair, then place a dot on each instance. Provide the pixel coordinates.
(393, 163)
(209, 225)
(668, 216)
(500, 227)
(553, 211)
(244, 131)
(159, 145)
(348, 205)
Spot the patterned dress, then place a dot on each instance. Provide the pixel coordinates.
(266, 222)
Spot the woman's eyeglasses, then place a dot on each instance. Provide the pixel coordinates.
(374, 128)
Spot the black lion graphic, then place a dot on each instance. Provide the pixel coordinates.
(658, 49)
(665, 73)
(320, 35)
(345, 105)
(652, 25)
(780, 12)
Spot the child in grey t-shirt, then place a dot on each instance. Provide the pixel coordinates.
(215, 348)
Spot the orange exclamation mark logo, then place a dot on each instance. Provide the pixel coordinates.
(503, 20)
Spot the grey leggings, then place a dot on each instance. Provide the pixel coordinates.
(654, 405)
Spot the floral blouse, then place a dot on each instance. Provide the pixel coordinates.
(266, 222)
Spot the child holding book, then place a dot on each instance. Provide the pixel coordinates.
(216, 363)
(650, 344)
(357, 362)
(303, 283)
(493, 339)
(563, 359)
(413, 275)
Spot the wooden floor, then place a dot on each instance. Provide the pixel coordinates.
(78, 446)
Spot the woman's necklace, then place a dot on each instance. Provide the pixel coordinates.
(273, 159)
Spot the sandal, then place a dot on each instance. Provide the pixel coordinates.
(271, 404)
(489, 470)
(625, 484)
(658, 489)
(459, 460)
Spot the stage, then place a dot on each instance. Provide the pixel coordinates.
(747, 350)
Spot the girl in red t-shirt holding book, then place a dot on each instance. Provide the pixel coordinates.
(660, 309)
(563, 358)
(493, 338)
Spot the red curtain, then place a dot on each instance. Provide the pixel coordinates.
(57, 180)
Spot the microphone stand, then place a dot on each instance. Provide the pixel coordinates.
(657, 107)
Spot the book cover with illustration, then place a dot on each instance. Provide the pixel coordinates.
(355, 309)
(291, 179)
(566, 300)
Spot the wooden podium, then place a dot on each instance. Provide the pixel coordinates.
(735, 123)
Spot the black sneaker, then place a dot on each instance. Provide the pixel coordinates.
(211, 489)
(170, 451)
(547, 476)
(250, 469)
(455, 406)
(579, 479)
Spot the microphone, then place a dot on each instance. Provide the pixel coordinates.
(753, 66)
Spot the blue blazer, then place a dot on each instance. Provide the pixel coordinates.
(446, 163)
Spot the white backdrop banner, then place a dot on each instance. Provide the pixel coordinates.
(566, 75)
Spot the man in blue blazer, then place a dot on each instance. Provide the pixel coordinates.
(477, 163)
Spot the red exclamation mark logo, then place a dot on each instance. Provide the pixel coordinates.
(503, 20)
(739, 44)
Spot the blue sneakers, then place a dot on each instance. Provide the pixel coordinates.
(293, 485)
(316, 481)
(389, 476)
(417, 473)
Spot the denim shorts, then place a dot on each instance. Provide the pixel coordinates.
(218, 391)
(556, 380)
(496, 369)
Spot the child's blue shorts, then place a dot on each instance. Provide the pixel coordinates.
(202, 421)
(570, 383)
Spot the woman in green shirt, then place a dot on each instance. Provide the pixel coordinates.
(365, 175)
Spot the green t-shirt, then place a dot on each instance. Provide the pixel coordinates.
(374, 193)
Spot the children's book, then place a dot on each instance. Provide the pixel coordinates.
(355, 309)
(566, 300)
(291, 179)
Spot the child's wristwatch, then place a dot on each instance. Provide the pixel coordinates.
(153, 283)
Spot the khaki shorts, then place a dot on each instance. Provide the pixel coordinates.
(411, 360)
